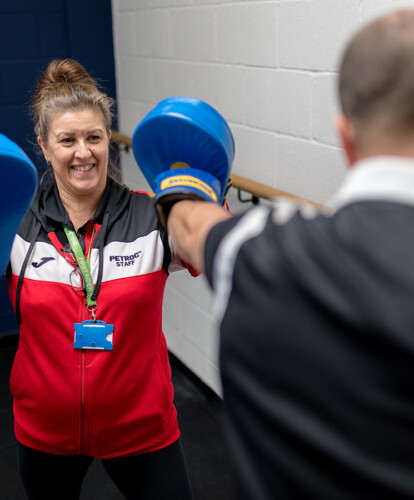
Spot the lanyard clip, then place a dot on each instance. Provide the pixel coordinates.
(92, 311)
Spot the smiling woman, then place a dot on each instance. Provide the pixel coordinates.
(73, 123)
(77, 148)
(91, 378)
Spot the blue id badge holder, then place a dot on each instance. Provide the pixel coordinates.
(92, 334)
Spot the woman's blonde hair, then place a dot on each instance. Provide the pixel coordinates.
(65, 85)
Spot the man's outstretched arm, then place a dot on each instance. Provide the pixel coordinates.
(189, 223)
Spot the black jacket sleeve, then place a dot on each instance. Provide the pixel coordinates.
(214, 238)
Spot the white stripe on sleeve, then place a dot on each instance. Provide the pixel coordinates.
(247, 228)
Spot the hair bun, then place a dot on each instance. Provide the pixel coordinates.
(66, 85)
(67, 72)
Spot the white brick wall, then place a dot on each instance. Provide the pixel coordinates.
(247, 34)
(269, 67)
(311, 33)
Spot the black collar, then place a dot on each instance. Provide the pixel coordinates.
(56, 214)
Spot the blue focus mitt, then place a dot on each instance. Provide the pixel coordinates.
(185, 149)
(17, 188)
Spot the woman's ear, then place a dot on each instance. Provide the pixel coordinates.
(44, 149)
(346, 132)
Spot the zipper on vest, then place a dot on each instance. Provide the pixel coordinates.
(83, 409)
(84, 419)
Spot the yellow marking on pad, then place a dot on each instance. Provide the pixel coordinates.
(179, 164)
(187, 180)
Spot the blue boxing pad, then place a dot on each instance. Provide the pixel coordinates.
(185, 149)
(17, 188)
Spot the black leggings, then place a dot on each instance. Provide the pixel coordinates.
(158, 475)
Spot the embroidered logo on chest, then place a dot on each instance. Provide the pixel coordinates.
(124, 260)
(42, 261)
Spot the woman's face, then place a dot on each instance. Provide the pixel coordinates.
(78, 149)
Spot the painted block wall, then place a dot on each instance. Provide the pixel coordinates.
(270, 68)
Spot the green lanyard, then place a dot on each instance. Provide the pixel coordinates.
(84, 267)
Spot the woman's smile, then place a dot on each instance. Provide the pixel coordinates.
(77, 148)
(82, 168)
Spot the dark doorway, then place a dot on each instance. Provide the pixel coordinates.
(32, 33)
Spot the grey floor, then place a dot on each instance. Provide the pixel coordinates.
(199, 413)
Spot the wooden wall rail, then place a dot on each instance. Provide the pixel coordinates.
(242, 183)
(121, 139)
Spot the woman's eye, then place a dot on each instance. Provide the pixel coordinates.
(95, 138)
(67, 140)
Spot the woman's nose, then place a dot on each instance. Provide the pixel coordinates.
(82, 149)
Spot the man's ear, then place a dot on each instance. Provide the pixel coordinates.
(346, 132)
(44, 149)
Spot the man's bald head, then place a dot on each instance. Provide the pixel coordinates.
(376, 80)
